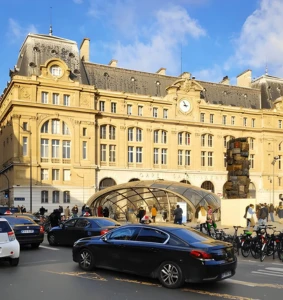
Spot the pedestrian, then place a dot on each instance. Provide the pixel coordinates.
(271, 212)
(245, 215)
(100, 211)
(105, 212)
(178, 215)
(279, 212)
(141, 214)
(153, 213)
(165, 215)
(67, 212)
(42, 211)
(202, 218)
(266, 211)
(87, 209)
(83, 209)
(60, 209)
(250, 216)
(55, 218)
(262, 215)
(75, 211)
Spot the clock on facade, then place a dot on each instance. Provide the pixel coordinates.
(184, 105)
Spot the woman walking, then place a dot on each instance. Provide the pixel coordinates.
(202, 218)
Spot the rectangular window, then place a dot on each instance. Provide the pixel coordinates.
(163, 137)
(253, 123)
(140, 111)
(252, 144)
(180, 157)
(210, 159)
(225, 159)
(55, 127)
(224, 120)
(155, 112)
(84, 131)
(103, 132)
(211, 118)
(55, 174)
(84, 146)
(102, 105)
(139, 155)
(102, 152)
(112, 132)
(232, 120)
(202, 117)
(164, 156)
(66, 149)
(65, 129)
(25, 125)
(113, 107)
(55, 197)
(187, 158)
(252, 156)
(55, 148)
(129, 109)
(130, 134)
(187, 139)
(66, 100)
(165, 113)
(155, 156)
(112, 153)
(66, 175)
(55, 99)
(280, 124)
(202, 157)
(44, 97)
(44, 196)
(44, 147)
(180, 138)
(209, 140)
(155, 136)
(25, 146)
(130, 154)
(203, 140)
(244, 122)
(138, 135)
(66, 197)
(44, 174)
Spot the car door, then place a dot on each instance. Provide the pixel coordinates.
(64, 234)
(146, 253)
(81, 229)
(114, 247)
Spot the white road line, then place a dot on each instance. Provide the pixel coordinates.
(269, 274)
(49, 248)
(275, 269)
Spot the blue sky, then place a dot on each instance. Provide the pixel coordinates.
(217, 37)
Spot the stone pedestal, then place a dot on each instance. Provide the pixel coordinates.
(233, 210)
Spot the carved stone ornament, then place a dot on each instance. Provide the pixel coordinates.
(24, 93)
(84, 101)
(278, 103)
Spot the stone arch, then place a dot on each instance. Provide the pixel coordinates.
(106, 183)
(134, 179)
(208, 185)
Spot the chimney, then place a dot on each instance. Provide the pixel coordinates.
(245, 79)
(225, 80)
(113, 63)
(84, 50)
(161, 71)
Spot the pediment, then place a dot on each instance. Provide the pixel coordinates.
(185, 85)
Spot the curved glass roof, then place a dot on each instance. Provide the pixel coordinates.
(164, 194)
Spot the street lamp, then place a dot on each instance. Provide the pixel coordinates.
(273, 163)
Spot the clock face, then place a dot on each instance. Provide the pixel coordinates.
(185, 105)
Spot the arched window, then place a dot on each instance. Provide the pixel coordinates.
(139, 135)
(130, 134)
(187, 139)
(164, 137)
(103, 132)
(66, 197)
(55, 197)
(112, 132)
(106, 182)
(44, 127)
(208, 185)
(65, 129)
(44, 196)
(209, 140)
(180, 138)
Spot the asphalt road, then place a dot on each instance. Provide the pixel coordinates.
(49, 273)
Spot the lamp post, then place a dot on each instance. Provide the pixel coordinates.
(273, 163)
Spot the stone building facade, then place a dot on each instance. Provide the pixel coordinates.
(70, 127)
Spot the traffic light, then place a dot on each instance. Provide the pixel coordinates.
(7, 194)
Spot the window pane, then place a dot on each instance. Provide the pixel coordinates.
(66, 149)
(55, 197)
(67, 175)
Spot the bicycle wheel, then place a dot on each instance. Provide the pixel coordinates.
(246, 248)
(263, 252)
(255, 249)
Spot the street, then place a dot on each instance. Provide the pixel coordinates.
(49, 272)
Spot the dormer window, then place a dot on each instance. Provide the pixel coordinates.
(55, 70)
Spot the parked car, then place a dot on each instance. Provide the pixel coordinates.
(32, 216)
(26, 230)
(77, 228)
(9, 246)
(172, 253)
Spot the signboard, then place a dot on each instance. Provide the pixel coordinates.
(19, 199)
(183, 205)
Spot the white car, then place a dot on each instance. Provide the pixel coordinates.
(9, 246)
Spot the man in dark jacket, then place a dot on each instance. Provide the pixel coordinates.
(263, 213)
(141, 214)
(106, 212)
(178, 215)
(42, 211)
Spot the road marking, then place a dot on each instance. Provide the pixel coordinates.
(85, 275)
(262, 272)
(254, 284)
(225, 296)
(138, 282)
(39, 262)
(49, 248)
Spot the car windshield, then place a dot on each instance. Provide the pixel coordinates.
(190, 236)
(17, 221)
(106, 222)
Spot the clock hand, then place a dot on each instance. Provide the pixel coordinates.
(185, 104)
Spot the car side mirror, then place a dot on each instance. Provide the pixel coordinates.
(104, 239)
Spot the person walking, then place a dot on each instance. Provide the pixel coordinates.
(153, 213)
(271, 212)
(42, 211)
(178, 215)
(279, 212)
(67, 212)
(262, 215)
(250, 216)
(141, 213)
(202, 218)
(105, 212)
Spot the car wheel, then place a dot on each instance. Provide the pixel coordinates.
(14, 261)
(170, 275)
(52, 239)
(35, 246)
(86, 260)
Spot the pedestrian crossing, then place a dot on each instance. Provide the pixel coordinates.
(270, 271)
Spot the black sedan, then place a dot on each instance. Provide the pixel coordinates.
(172, 253)
(26, 230)
(77, 228)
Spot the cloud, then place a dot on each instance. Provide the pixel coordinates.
(215, 72)
(260, 40)
(78, 1)
(17, 32)
(158, 45)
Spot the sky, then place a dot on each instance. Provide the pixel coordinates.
(208, 38)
